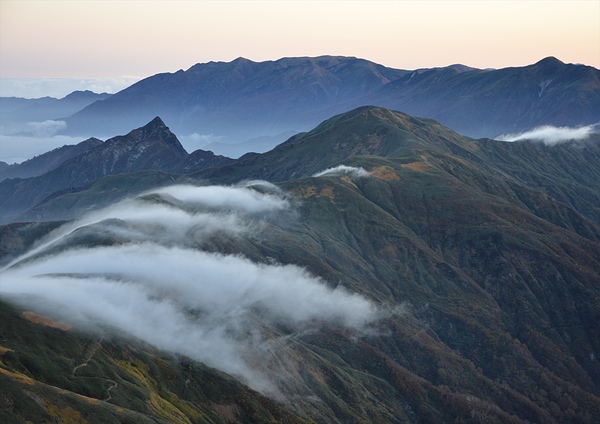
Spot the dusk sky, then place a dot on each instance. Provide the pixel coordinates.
(109, 44)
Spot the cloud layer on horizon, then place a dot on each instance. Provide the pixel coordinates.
(33, 88)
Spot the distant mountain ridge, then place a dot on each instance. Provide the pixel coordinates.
(240, 100)
(15, 110)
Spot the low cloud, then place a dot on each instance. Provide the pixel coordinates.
(240, 199)
(46, 128)
(551, 135)
(344, 170)
(138, 267)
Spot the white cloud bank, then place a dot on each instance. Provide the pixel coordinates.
(148, 282)
(550, 134)
(46, 128)
(352, 171)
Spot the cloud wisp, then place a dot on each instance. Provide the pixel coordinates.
(551, 135)
(351, 171)
(46, 128)
(136, 267)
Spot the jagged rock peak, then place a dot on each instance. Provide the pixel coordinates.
(153, 131)
(156, 123)
(154, 128)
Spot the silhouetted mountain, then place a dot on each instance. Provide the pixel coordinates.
(482, 258)
(242, 100)
(47, 161)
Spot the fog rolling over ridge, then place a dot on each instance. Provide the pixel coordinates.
(137, 268)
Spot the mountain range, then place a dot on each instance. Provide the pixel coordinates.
(232, 108)
(242, 99)
(442, 279)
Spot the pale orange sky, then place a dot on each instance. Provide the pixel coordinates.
(99, 39)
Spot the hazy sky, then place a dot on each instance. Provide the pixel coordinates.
(121, 39)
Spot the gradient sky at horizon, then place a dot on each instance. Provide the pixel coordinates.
(127, 39)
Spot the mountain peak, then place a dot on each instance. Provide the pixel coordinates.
(549, 61)
(83, 95)
(155, 131)
(241, 60)
(157, 122)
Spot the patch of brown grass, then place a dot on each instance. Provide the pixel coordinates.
(347, 179)
(305, 193)
(384, 173)
(19, 377)
(3, 350)
(327, 192)
(47, 321)
(416, 166)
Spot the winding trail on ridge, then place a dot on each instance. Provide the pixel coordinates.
(94, 347)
